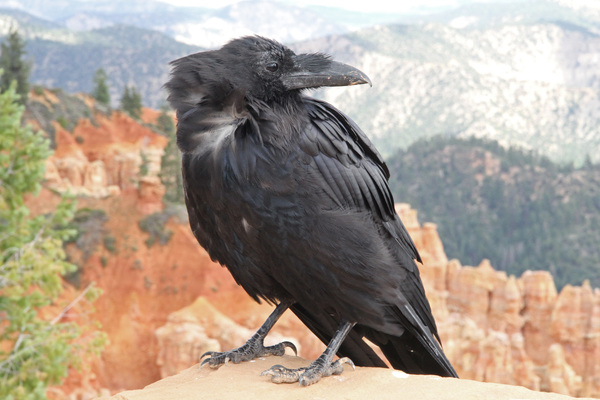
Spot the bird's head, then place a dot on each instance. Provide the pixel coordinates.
(263, 69)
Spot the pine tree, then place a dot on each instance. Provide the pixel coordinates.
(100, 92)
(34, 351)
(164, 122)
(170, 165)
(131, 102)
(126, 99)
(13, 66)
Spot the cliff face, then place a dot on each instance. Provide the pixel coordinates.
(165, 304)
(498, 328)
(103, 160)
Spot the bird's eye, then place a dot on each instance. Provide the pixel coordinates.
(272, 67)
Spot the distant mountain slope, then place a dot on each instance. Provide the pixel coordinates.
(204, 27)
(517, 209)
(530, 85)
(493, 14)
(130, 56)
(524, 73)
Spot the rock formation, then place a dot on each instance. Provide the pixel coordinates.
(101, 161)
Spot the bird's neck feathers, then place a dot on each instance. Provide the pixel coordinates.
(219, 108)
(280, 121)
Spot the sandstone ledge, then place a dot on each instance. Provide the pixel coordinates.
(243, 381)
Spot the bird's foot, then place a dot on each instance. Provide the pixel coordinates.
(253, 348)
(307, 375)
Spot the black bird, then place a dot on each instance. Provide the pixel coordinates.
(291, 196)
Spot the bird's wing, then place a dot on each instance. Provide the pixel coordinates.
(355, 176)
(352, 169)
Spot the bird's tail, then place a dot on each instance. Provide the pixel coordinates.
(411, 352)
(416, 351)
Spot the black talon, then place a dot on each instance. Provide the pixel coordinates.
(291, 346)
(306, 376)
(321, 367)
(253, 348)
(204, 362)
(346, 360)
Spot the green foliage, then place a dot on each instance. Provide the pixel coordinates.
(90, 232)
(66, 109)
(35, 351)
(110, 243)
(147, 282)
(62, 121)
(170, 164)
(131, 102)
(39, 90)
(14, 67)
(164, 123)
(145, 164)
(100, 92)
(514, 207)
(154, 225)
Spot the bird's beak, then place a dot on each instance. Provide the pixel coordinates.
(335, 73)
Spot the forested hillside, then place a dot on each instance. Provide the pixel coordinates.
(516, 208)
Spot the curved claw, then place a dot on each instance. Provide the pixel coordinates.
(204, 362)
(337, 367)
(291, 346)
(271, 371)
(279, 349)
(215, 359)
(208, 361)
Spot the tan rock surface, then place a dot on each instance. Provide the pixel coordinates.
(243, 381)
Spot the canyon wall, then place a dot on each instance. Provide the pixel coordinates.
(499, 328)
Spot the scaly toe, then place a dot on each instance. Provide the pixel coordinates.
(314, 373)
(215, 360)
(279, 349)
(281, 374)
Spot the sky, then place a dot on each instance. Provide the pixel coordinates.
(354, 5)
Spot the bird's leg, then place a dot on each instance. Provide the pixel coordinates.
(254, 347)
(322, 366)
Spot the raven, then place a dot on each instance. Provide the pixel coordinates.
(291, 196)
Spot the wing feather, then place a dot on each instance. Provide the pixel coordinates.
(356, 175)
(351, 168)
